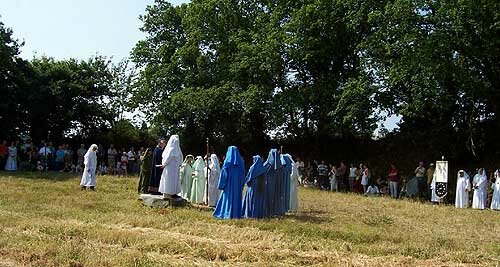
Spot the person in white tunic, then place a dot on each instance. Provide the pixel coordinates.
(495, 200)
(199, 181)
(463, 188)
(90, 161)
(11, 164)
(170, 184)
(294, 181)
(213, 180)
(479, 185)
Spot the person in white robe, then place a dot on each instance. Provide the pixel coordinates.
(11, 164)
(294, 182)
(495, 199)
(213, 180)
(170, 184)
(462, 192)
(90, 161)
(199, 181)
(479, 184)
(186, 173)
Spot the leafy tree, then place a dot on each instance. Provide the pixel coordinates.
(11, 83)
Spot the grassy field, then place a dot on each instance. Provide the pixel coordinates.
(45, 220)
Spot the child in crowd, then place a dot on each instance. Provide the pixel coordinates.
(124, 162)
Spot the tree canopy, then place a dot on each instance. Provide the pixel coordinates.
(303, 73)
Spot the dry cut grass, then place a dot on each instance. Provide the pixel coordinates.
(45, 220)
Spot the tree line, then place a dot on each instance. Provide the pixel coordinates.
(304, 74)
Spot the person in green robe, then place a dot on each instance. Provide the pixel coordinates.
(146, 160)
(199, 181)
(186, 176)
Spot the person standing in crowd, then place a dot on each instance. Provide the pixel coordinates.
(199, 181)
(421, 180)
(308, 174)
(131, 160)
(59, 160)
(112, 153)
(90, 161)
(358, 187)
(341, 174)
(80, 153)
(352, 177)
(301, 169)
(11, 163)
(254, 202)
(294, 181)
(156, 170)
(393, 181)
(145, 172)
(231, 182)
(365, 177)
(323, 175)
(124, 164)
(495, 199)
(68, 158)
(333, 178)
(170, 184)
(4, 152)
(213, 181)
(314, 173)
(479, 184)
(186, 173)
(44, 154)
(462, 191)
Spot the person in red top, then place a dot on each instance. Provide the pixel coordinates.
(4, 151)
(393, 181)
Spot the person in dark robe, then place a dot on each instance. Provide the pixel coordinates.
(275, 184)
(156, 169)
(287, 160)
(145, 174)
(253, 205)
(231, 182)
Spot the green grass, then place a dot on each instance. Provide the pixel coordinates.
(45, 220)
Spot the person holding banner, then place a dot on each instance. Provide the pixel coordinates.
(479, 184)
(462, 192)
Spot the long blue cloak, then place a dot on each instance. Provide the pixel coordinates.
(154, 180)
(286, 159)
(275, 191)
(231, 182)
(253, 205)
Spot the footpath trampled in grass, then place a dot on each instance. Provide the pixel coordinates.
(45, 220)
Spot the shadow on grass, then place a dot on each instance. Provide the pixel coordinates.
(37, 175)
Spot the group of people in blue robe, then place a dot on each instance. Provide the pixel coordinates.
(270, 191)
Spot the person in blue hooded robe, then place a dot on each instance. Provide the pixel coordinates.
(156, 171)
(275, 191)
(286, 159)
(231, 182)
(253, 205)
